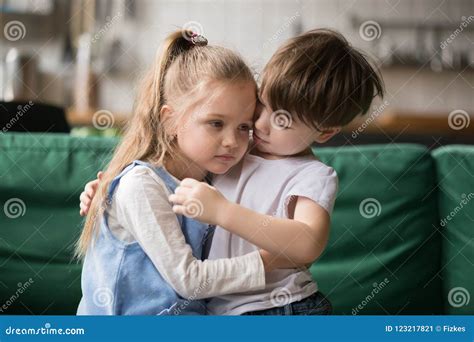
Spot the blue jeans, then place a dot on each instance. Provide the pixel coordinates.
(316, 304)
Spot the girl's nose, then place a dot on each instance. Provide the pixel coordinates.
(230, 141)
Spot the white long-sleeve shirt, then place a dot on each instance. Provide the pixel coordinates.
(140, 211)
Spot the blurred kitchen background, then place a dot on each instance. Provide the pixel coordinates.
(73, 66)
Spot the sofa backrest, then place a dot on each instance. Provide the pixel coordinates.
(384, 250)
(455, 174)
(42, 176)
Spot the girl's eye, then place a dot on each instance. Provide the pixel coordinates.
(245, 128)
(216, 124)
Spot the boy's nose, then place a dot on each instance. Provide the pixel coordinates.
(263, 124)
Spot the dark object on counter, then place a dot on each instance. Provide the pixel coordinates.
(29, 116)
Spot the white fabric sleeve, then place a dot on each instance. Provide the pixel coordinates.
(143, 209)
(318, 183)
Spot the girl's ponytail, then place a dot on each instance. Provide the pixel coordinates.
(144, 136)
(176, 44)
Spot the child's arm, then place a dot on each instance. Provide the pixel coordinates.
(143, 208)
(270, 260)
(302, 239)
(280, 260)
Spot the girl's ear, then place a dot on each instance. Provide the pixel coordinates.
(167, 118)
(166, 112)
(322, 137)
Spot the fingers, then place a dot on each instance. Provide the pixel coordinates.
(189, 182)
(91, 188)
(180, 190)
(85, 199)
(85, 203)
(176, 199)
(84, 209)
(179, 209)
(88, 194)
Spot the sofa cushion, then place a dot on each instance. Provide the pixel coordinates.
(42, 176)
(455, 168)
(384, 248)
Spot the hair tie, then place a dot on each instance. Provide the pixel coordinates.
(198, 40)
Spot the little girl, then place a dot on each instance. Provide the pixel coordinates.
(140, 257)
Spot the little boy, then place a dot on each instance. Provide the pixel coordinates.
(279, 197)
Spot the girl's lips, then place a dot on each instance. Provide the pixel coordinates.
(226, 158)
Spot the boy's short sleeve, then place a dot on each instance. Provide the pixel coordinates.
(317, 182)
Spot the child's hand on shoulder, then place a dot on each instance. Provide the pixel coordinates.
(198, 200)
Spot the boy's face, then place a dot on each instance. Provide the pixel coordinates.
(279, 133)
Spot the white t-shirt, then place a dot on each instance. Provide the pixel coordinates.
(266, 186)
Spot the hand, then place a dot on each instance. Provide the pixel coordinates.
(88, 194)
(198, 200)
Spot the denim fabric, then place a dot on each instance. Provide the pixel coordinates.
(316, 304)
(118, 278)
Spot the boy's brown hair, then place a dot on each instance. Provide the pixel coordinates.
(321, 79)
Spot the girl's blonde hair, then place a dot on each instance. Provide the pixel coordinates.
(180, 68)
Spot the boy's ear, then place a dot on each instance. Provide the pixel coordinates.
(328, 133)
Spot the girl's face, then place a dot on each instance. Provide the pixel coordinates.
(214, 134)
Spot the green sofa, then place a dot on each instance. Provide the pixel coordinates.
(401, 239)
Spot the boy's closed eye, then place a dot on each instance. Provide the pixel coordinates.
(245, 127)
